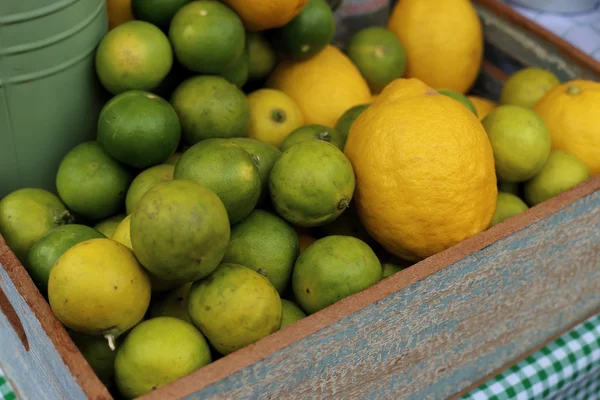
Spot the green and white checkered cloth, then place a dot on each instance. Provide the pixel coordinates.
(568, 368)
(6, 392)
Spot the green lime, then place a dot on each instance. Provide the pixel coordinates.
(157, 352)
(207, 36)
(145, 181)
(378, 55)
(333, 268)
(308, 33)
(391, 269)
(173, 303)
(267, 244)
(526, 87)
(261, 55)
(26, 215)
(211, 107)
(520, 140)
(345, 122)
(312, 183)
(291, 313)
(561, 172)
(98, 354)
(135, 55)
(507, 206)
(237, 73)
(461, 98)
(139, 129)
(108, 226)
(234, 307)
(157, 12)
(266, 155)
(46, 251)
(310, 132)
(91, 183)
(226, 169)
(179, 231)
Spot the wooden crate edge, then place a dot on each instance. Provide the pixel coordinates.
(500, 8)
(78, 366)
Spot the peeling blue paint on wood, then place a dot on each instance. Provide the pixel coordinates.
(438, 336)
(37, 374)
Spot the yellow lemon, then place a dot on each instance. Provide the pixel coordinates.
(123, 232)
(273, 115)
(483, 106)
(98, 287)
(443, 41)
(570, 112)
(324, 86)
(424, 166)
(259, 15)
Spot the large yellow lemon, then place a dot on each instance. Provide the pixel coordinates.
(443, 41)
(424, 166)
(324, 86)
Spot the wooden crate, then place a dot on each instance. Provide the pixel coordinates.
(431, 331)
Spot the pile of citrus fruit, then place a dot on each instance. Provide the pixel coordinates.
(247, 173)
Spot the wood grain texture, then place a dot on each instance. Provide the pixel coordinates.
(460, 316)
(40, 372)
(52, 368)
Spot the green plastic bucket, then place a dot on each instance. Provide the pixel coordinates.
(49, 95)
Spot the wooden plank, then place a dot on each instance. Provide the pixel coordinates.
(492, 298)
(37, 373)
(36, 352)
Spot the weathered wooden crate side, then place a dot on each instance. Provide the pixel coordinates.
(36, 353)
(443, 331)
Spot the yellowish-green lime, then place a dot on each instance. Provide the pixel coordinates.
(333, 268)
(312, 132)
(228, 170)
(561, 172)
(507, 206)
(265, 155)
(157, 352)
(145, 181)
(527, 86)
(520, 140)
(291, 313)
(234, 307)
(267, 244)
